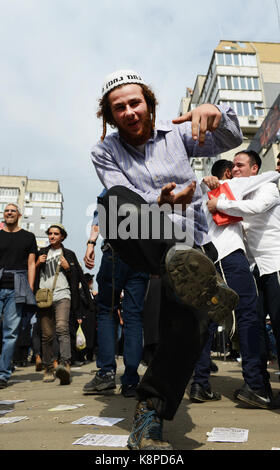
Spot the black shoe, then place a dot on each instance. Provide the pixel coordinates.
(62, 372)
(129, 390)
(195, 282)
(213, 367)
(3, 383)
(256, 399)
(100, 383)
(198, 394)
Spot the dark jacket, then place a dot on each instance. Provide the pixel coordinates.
(74, 276)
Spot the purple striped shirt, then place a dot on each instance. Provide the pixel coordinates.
(166, 159)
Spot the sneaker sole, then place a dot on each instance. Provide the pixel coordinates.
(192, 276)
(252, 402)
(63, 375)
(149, 447)
(226, 301)
(197, 399)
(100, 390)
(194, 280)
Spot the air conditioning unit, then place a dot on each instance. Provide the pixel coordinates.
(252, 118)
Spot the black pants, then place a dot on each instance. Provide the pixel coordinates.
(182, 330)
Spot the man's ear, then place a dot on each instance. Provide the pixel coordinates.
(254, 169)
(228, 174)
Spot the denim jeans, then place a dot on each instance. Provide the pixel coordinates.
(11, 316)
(55, 321)
(134, 284)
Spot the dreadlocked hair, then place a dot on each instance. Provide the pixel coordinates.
(104, 110)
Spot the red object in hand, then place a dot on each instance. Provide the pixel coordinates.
(223, 191)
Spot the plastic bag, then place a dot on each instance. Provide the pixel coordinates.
(80, 339)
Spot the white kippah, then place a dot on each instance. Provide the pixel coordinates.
(120, 77)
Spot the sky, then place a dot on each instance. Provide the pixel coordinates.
(55, 54)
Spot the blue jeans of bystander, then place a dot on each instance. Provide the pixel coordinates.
(11, 316)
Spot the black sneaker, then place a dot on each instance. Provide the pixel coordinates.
(146, 432)
(128, 390)
(62, 372)
(213, 367)
(198, 394)
(195, 282)
(256, 399)
(100, 383)
(3, 383)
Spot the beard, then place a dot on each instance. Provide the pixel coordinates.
(144, 134)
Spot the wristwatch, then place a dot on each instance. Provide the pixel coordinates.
(91, 242)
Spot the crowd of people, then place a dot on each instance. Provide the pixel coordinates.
(211, 258)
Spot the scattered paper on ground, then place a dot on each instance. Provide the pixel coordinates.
(102, 440)
(66, 407)
(14, 419)
(97, 420)
(3, 412)
(228, 435)
(9, 402)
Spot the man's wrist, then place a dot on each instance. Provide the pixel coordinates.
(91, 242)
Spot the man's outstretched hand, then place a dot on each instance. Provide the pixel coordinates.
(203, 118)
(184, 197)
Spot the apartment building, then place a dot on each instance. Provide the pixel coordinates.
(41, 203)
(246, 76)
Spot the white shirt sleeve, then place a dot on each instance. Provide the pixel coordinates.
(264, 198)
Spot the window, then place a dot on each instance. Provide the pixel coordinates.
(229, 86)
(43, 227)
(28, 226)
(49, 197)
(256, 83)
(250, 83)
(50, 212)
(245, 108)
(236, 59)
(243, 83)
(9, 194)
(222, 82)
(247, 60)
(239, 108)
(228, 82)
(228, 59)
(28, 211)
(236, 83)
(220, 58)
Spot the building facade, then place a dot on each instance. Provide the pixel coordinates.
(41, 203)
(244, 75)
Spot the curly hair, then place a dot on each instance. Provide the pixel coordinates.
(104, 110)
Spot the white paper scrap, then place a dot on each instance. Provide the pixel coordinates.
(98, 421)
(14, 419)
(10, 402)
(66, 407)
(228, 435)
(102, 440)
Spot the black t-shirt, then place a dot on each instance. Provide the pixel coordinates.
(15, 247)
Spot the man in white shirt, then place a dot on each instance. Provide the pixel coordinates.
(260, 209)
(234, 266)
